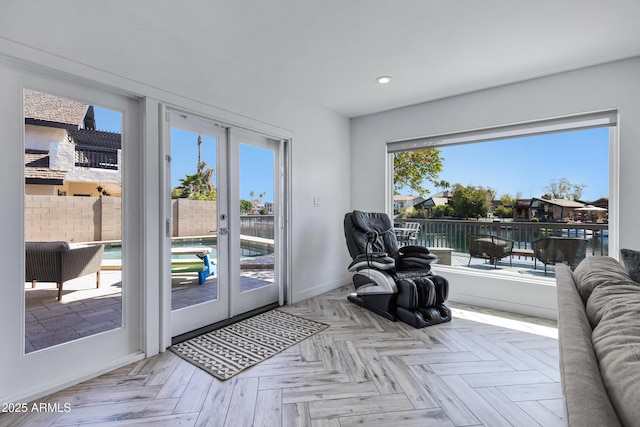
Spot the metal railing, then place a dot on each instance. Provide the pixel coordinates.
(442, 233)
(99, 158)
(257, 226)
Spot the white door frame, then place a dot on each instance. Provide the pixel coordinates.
(30, 375)
(281, 223)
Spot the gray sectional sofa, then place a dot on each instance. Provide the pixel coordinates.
(599, 340)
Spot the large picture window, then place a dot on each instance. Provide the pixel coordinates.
(538, 193)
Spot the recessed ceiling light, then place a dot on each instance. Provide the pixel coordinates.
(383, 80)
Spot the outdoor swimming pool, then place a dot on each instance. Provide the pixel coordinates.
(248, 249)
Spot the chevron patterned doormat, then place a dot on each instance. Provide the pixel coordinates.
(228, 351)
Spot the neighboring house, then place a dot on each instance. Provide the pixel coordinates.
(549, 209)
(256, 206)
(439, 199)
(64, 154)
(93, 160)
(596, 211)
(39, 178)
(404, 202)
(522, 210)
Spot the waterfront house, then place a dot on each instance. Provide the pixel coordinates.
(439, 199)
(302, 76)
(553, 209)
(405, 203)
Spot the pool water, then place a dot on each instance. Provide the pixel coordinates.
(247, 249)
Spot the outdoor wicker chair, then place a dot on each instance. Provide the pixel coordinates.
(58, 262)
(489, 247)
(553, 250)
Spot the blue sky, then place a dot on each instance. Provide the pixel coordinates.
(527, 165)
(522, 165)
(256, 164)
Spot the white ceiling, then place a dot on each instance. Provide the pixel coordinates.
(331, 51)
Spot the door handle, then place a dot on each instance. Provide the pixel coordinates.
(223, 231)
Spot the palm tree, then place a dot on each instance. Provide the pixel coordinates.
(199, 144)
(198, 186)
(442, 185)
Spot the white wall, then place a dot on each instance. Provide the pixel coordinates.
(613, 85)
(123, 53)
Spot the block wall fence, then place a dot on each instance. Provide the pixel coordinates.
(90, 219)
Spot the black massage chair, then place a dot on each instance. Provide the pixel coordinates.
(393, 282)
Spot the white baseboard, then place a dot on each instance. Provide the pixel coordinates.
(319, 289)
(42, 390)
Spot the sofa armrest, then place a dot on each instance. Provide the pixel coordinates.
(81, 261)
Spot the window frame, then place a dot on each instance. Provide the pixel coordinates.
(597, 119)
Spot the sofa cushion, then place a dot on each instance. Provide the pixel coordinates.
(595, 270)
(608, 295)
(631, 261)
(616, 341)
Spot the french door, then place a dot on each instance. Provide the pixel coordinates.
(223, 229)
(256, 240)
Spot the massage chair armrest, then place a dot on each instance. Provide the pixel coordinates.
(376, 260)
(414, 249)
(410, 257)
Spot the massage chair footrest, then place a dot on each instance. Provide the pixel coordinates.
(424, 316)
(383, 305)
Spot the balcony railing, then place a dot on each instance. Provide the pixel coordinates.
(99, 158)
(442, 233)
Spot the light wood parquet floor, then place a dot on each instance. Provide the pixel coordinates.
(484, 368)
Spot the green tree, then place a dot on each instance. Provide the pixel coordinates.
(505, 209)
(442, 185)
(503, 212)
(412, 168)
(442, 211)
(507, 200)
(564, 189)
(470, 201)
(245, 206)
(197, 186)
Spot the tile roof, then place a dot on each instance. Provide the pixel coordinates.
(36, 159)
(37, 170)
(44, 174)
(561, 202)
(409, 198)
(42, 106)
(95, 138)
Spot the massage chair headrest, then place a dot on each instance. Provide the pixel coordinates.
(371, 223)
